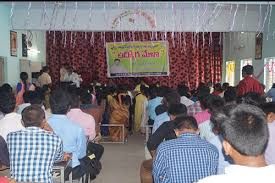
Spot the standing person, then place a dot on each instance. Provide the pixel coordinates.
(249, 83)
(188, 158)
(23, 145)
(23, 86)
(63, 72)
(73, 77)
(45, 78)
(245, 137)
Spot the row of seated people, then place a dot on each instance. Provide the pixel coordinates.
(66, 133)
(232, 137)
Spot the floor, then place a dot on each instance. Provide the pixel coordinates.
(120, 162)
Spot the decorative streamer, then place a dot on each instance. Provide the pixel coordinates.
(198, 19)
(56, 14)
(217, 14)
(233, 23)
(65, 38)
(266, 14)
(210, 17)
(165, 20)
(52, 17)
(204, 17)
(75, 14)
(27, 21)
(260, 18)
(220, 39)
(75, 37)
(173, 27)
(11, 15)
(244, 17)
(270, 13)
(53, 37)
(229, 17)
(65, 14)
(71, 38)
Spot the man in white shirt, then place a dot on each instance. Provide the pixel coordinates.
(73, 77)
(11, 121)
(245, 133)
(45, 78)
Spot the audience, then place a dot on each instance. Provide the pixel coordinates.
(26, 98)
(245, 133)
(72, 135)
(11, 121)
(156, 98)
(187, 158)
(269, 109)
(249, 83)
(184, 93)
(164, 132)
(22, 87)
(24, 144)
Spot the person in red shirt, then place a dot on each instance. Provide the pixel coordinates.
(249, 83)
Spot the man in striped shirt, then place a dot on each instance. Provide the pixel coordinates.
(187, 158)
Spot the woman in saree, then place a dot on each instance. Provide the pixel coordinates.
(119, 114)
(22, 87)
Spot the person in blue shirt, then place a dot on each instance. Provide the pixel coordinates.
(271, 93)
(188, 158)
(171, 97)
(72, 135)
(156, 98)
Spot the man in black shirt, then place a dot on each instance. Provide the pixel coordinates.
(164, 132)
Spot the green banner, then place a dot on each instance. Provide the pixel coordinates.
(137, 59)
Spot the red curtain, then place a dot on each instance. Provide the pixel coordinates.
(193, 58)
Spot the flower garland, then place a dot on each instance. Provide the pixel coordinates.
(150, 19)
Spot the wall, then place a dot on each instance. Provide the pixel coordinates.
(248, 40)
(12, 70)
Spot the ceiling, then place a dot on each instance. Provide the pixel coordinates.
(129, 5)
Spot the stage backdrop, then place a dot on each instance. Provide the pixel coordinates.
(190, 61)
(137, 59)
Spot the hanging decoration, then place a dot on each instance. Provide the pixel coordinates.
(266, 14)
(244, 17)
(27, 21)
(268, 28)
(12, 15)
(230, 14)
(233, 22)
(52, 17)
(260, 18)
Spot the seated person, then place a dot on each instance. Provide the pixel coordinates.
(4, 154)
(156, 98)
(26, 98)
(196, 107)
(164, 132)
(162, 116)
(187, 158)
(86, 99)
(269, 109)
(72, 135)
(245, 136)
(230, 96)
(171, 97)
(11, 121)
(23, 145)
(86, 122)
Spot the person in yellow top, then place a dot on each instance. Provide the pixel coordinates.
(139, 109)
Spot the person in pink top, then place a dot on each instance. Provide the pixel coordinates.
(85, 121)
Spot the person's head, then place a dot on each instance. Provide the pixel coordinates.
(273, 85)
(160, 109)
(218, 87)
(203, 91)
(85, 97)
(230, 95)
(177, 110)
(214, 103)
(37, 97)
(59, 101)
(24, 78)
(7, 102)
(252, 98)
(33, 116)
(27, 96)
(185, 124)
(247, 70)
(70, 70)
(269, 110)
(126, 100)
(171, 97)
(183, 90)
(117, 61)
(6, 88)
(45, 69)
(244, 130)
(74, 100)
(225, 86)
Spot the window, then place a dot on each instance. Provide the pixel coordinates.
(244, 62)
(230, 73)
(269, 72)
